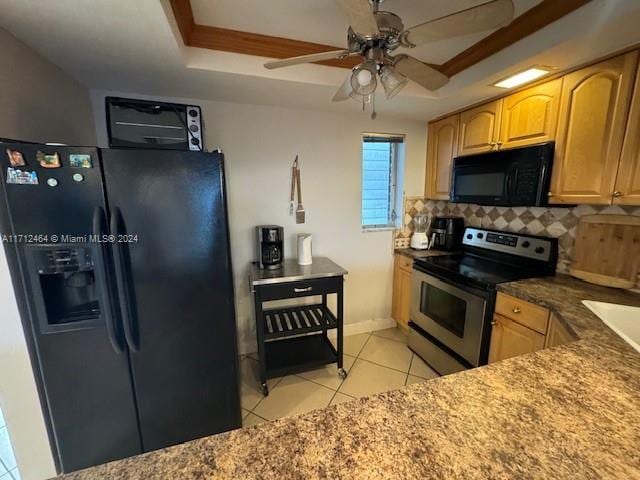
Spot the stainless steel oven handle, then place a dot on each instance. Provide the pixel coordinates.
(302, 290)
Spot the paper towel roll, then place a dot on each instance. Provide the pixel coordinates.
(304, 249)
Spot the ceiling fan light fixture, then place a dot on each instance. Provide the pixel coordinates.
(525, 76)
(392, 81)
(363, 79)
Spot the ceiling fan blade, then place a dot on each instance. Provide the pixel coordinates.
(344, 92)
(360, 16)
(486, 16)
(419, 72)
(314, 57)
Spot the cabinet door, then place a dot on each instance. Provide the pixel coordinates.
(442, 147)
(557, 334)
(530, 116)
(405, 302)
(509, 339)
(593, 112)
(627, 189)
(397, 292)
(479, 128)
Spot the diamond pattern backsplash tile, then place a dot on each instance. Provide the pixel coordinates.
(558, 222)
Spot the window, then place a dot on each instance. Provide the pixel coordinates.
(382, 167)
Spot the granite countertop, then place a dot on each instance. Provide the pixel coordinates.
(290, 271)
(411, 253)
(567, 412)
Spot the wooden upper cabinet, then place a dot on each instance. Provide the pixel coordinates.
(479, 128)
(530, 116)
(593, 112)
(627, 188)
(442, 147)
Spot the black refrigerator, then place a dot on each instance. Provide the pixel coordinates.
(121, 265)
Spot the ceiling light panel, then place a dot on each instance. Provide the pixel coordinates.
(526, 76)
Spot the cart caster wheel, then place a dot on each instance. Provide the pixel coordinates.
(342, 373)
(265, 390)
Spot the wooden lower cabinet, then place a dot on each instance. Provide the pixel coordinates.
(401, 301)
(510, 339)
(520, 327)
(557, 333)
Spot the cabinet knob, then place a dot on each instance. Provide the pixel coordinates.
(618, 194)
(493, 322)
(516, 310)
(550, 194)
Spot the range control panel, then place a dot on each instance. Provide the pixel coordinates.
(539, 248)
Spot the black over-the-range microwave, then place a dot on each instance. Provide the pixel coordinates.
(148, 124)
(513, 177)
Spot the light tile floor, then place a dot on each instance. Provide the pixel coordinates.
(376, 362)
(8, 467)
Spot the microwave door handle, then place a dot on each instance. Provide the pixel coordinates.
(510, 182)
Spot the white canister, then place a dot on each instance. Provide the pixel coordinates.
(304, 249)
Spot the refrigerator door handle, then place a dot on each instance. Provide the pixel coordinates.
(122, 281)
(102, 277)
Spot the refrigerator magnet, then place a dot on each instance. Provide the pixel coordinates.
(15, 158)
(52, 182)
(80, 160)
(21, 177)
(78, 177)
(48, 160)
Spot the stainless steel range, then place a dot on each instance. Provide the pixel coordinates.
(453, 296)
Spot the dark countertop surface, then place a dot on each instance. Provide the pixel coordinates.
(411, 253)
(569, 412)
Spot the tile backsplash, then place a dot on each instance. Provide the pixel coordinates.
(559, 222)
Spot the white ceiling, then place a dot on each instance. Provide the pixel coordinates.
(134, 46)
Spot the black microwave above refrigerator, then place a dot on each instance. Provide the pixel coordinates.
(135, 123)
(510, 178)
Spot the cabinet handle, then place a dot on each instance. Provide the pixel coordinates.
(300, 290)
(550, 194)
(493, 322)
(516, 310)
(618, 194)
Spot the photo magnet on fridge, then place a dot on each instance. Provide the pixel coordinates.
(21, 177)
(48, 160)
(15, 158)
(80, 160)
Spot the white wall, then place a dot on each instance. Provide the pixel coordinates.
(38, 102)
(260, 143)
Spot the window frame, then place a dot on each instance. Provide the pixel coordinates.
(396, 180)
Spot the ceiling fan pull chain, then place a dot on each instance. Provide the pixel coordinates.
(373, 107)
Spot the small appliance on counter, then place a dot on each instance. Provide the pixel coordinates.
(305, 256)
(448, 232)
(270, 246)
(420, 237)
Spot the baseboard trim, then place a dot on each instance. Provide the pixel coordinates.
(349, 329)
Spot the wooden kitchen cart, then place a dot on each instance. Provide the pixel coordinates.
(295, 338)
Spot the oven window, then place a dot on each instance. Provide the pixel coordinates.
(443, 308)
(480, 184)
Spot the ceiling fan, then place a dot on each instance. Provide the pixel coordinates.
(374, 34)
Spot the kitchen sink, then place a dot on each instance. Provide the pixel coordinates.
(622, 319)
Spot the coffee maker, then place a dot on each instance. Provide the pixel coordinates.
(270, 246)
(447, 232)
